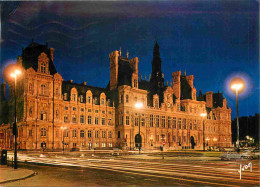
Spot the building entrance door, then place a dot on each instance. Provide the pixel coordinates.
(138, 140)
(192, 141)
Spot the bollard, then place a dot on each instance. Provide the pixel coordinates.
(12, 162)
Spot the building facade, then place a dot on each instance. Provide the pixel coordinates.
(53, 113)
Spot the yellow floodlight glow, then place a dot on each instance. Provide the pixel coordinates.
(203, 114)
(139, 105)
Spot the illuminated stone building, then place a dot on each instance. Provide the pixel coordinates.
(106, 117)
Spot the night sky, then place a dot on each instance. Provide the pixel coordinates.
(212, 40)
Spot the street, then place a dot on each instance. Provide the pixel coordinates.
(62, 171)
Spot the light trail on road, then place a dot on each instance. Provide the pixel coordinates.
(197, 173)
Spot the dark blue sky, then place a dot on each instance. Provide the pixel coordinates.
(212, 40)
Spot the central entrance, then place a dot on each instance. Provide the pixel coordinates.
(138, 140)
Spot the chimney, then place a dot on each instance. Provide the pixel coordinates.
(209, 99)
(52, 53)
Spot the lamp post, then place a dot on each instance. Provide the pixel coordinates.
(237, 85)
(139, 106)
(63, 128)
(14, 75)
(203, 115)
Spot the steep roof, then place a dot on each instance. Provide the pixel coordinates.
(30, 56)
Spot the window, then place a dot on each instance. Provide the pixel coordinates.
(135, 83)
(174, 123)
(66, 118)
(122, 120)
(82, 133)
(136, 121)
(82, 119)
(163, 121)
(102, 101)
(74, 133)
(30, 132)
(89, 110)
(81, 98)
(103, 121)
(151, 120)
(195, 126)
(43, 67)
(57, 114)
(191, 126)
(127, 120)
(65, 96)
(74, 108)
(88, 99)
(157, 121)
(89, 133)
(109, 134)
(169, 122)
(174, 138)
(109, 112)
(109, 122)
(122, 99)
(30, 111)
(43, 132)
(184, 123)
(57, 91)
(96, 111)
(43, 89)
(103, 144)
(156, 104)
(74, 119)
(118, 134)
(66, 108)
(179, 123)
(73, 97)
(103, 112)
(66, 133)
(82, 109)
(126, 98)
(143, 121)
(89, 120)
(96, 120)
(178, 107)
(96, 134)
(30, 88)
(104, 134)
(43, 116)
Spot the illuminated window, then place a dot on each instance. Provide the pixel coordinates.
(82, 119)
(89, 120)
(82, 133)
(127, 120)
(102, 101)
(74, 133)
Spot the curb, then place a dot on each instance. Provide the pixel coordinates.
(13, 180)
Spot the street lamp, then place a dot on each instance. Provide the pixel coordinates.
(139, 106)
(237, 84)
(14, 75)
(63, 128)
(203, 115)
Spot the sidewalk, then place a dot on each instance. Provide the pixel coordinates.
(8, 174)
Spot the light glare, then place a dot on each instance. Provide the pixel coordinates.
(237, 86)
(203, 114)
(138, 105)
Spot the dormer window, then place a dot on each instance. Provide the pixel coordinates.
(102, 101)
(43, 67)
(65, 96)
(135, 83)
(73, 97)
(81, 98)
(89, 99)
(156, 104)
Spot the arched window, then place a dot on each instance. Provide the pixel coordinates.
(30, 112)
(126, 98)
(43, 132)
(81, 98)
(43, 89)
(43, 67)
(65, 96)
